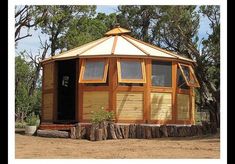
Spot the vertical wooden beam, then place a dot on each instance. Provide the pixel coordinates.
(80, 94)
(174, 91)
(191, 110)
(147, 87)
(55, 83)
(113, 84)
(76, 90)
(42, 104)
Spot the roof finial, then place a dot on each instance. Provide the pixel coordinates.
(116, 25)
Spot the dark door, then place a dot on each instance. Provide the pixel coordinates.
(66, 91)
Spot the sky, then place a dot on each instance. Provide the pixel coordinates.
(32, 44)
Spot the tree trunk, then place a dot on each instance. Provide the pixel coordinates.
(52, 133)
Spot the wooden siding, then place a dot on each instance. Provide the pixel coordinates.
(161, 106)
(129, 106)
(47, 106)
(182, 107)
(48, 73)
(93, 101)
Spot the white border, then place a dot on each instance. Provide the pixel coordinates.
(11, 81)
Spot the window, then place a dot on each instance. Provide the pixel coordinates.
(161, 74)
(180, 80)
(94, 71)
(188, 75)
(131, 71)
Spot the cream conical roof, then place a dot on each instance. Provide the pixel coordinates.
(117, 43)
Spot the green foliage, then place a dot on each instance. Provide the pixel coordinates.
(19, 124)
(32, 120)
(25, 104)
(101, 115)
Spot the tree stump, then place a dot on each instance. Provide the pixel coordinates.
(111, 131)
(103, 126)
(88, 132)
(171, 131)
(98, 134)
(138, 131)
(92, 131)
(163, 130)
(157, 132)
(153, 129)
(132, 131)
(126, 131)
(193, 130)
(143, 131)
(148, 132)
(73, 132)
(53, 133)
(118, 131)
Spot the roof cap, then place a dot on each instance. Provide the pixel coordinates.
(117, 30)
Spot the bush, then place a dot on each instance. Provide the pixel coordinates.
(19, 124)
(101, 115)
(32, 120)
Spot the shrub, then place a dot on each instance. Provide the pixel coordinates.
(101, 115)
(19, 124)
(32, 120)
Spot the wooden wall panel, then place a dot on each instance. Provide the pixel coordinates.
(48, 75)
(47, 106)
(93, 101)
(129, 105)
(161, 106)
(193, 110)
(182, 107)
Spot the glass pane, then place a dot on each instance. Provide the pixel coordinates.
(180, 80)
(161, 74)
(131, 70)
(94, 70)
(188, 75)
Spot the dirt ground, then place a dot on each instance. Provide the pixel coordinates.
(159, 148)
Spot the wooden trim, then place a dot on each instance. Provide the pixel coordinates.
(114, 44)
(196, 84)
(42, 94)
(147, 88)
(183, 91)
(135, 45)
(121, 80)
(80, 95)
(161, 89)
(174, 91)
(95, 88)
(55, 65)
(130, 88)
(83, 68)
(77, 91)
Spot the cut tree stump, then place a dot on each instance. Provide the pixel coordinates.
(92, 131)
(138, 131)
(98, 134)
(118, 131)
(111, 131)
(132, 131)
(157, 132)
(73, 133)
(163, 130)
(53, 133)
(148, 131)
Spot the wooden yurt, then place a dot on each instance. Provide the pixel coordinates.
(139, 82)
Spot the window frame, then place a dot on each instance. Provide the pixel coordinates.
(162, 61)
(191, 74)
(121, 80)
(83, 68)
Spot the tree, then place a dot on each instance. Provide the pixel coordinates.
(175, 28)
(26, 17)
(25, 104)
(87, 29)
(58, 21)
